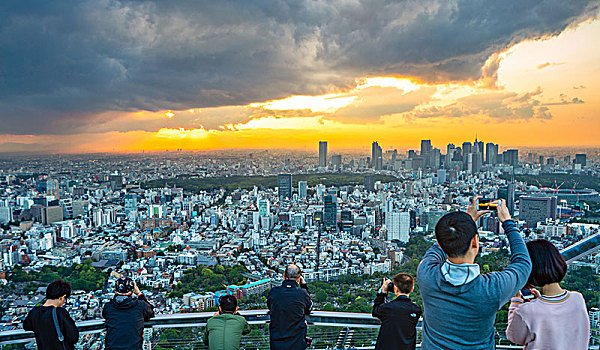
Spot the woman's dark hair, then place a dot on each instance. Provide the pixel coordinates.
(548, 264)
(228, 303)
(454, 232)
(57, 289)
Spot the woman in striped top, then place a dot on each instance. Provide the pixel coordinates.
(555, 318)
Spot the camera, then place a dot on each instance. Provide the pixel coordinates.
(390, 287)
(488, 204)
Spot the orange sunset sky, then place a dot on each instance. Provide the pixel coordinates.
(534, 89)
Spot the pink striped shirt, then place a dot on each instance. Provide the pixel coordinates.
(549, 322)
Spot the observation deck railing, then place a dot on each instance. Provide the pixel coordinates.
(346, 330)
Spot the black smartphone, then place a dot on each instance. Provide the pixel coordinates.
(488, 204)
(527, 294)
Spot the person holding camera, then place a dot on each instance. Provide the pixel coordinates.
(459, 303)
(125, 316)
(288, 305)
(398, 317)
(51, 323)
(537, 320)
(225, 329)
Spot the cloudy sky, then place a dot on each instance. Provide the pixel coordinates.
(109, 75)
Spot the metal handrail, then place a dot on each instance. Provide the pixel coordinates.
(198, 319)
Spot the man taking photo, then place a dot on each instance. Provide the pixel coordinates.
(398, 317)
(459, 303)
(125, 316)
(288, 305)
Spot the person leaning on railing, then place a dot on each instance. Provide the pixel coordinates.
(460, 304)
(225, 329)
(555, 318)
(51, 323)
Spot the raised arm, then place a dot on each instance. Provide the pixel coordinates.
(514, 277)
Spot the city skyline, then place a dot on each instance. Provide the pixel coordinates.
(518, 76)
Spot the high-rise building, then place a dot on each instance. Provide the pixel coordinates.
(478, 146)
(52, 214)
(130, 203)
(5, 215)
(285, 186)
(329, 212)
(323, 154)
(52, 188)
(263, 207)
(425, 147)
(370, 182)
(508, 194)
(302, 187)
(346, 220)
(491, 153)
(467, 147)
(511, 157)
(398, 225)
(580, 158)
(376, 156)
(537, 209)
(116, 182)
(336, 161)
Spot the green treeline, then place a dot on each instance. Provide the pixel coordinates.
(553, 179)
(248, 182)
(204, 279)
(81, 276)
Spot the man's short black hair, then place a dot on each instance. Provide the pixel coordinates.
(57, 289)
(292, 272)
(454, 233)
(404, 282)
(549, 266)
(228, 303)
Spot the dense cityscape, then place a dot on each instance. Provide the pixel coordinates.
(192, 226)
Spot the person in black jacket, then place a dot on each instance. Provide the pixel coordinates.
(41, 321)
(125, 316)
(288, 304)
(398, 317)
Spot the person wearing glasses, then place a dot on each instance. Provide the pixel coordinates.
(51, 323)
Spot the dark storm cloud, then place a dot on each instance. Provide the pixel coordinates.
(62, 62)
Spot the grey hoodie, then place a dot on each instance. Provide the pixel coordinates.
(461, 315)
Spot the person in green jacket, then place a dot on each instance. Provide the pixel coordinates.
(225, 329)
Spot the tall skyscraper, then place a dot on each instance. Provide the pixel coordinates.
(511, 157)
(323, 154)
(302, 186)
(467, 147)
(285, 186)
(491, 153)
(329, 212)
(425, 147)
(376, 156)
